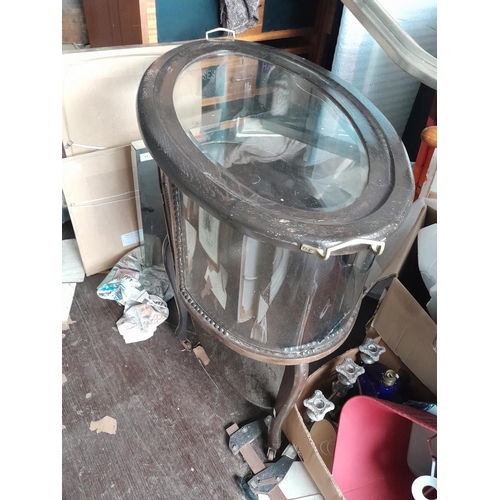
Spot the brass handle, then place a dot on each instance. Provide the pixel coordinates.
(377, 247)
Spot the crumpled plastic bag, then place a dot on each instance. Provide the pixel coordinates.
(144, 293)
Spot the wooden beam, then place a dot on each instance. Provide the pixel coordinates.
(322, 28)
(275, 35)
(300, 50)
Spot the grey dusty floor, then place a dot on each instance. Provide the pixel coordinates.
(170, 412)
(170, 439)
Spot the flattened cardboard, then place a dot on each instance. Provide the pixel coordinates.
(409, 331)
(99, 93)
(99, 190)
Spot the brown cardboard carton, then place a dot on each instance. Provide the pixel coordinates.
(409, 331)
(99, 190)
(99, 122)
(99, 94)
(296, 431)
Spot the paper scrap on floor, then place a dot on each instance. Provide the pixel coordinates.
(144, 293)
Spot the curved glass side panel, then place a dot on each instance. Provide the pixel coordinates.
(267, 296)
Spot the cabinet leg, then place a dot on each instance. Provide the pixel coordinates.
(292, 384)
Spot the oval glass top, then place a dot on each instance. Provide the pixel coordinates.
(272, 131)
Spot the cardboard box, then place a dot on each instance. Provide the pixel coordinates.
(296, 430)
(409, 331)
(99, 95)
(99, 123)
(99, 189)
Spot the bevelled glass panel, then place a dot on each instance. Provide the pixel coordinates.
(272, 131)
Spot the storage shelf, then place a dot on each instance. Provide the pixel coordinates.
(275, 35)
(296, 45)
(113, 25)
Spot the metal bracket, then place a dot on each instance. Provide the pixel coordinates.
(377, 247)
(265, 481)
(248, 433)
(232, 32)
(187, 345)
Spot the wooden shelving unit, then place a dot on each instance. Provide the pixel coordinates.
(125, 22)
(307, 42)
